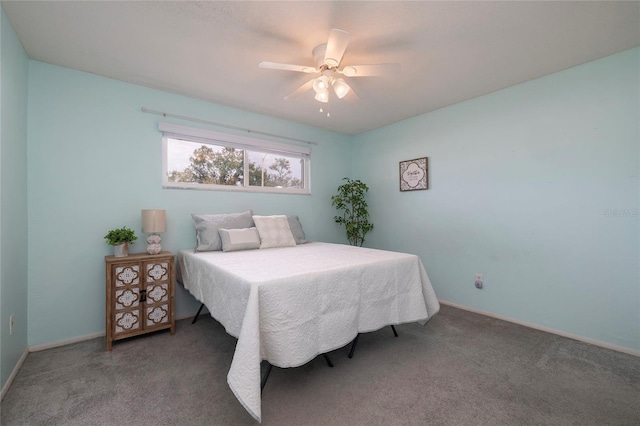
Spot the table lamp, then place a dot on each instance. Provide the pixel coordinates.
(154, 221)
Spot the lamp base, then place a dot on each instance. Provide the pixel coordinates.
(153, 244)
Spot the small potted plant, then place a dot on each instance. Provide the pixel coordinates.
(120, 239)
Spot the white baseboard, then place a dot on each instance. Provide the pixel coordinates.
(51, 345)
(12, 376)
(546, 329)
(44, 346)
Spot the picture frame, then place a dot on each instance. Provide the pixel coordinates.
(414, 174)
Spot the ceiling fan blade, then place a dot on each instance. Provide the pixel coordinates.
(306, 86)
(336, 46)
(287, 67)
(376, 70)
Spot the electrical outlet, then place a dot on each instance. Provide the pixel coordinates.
(11, 324)
(479, 281)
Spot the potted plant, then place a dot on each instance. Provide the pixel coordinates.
(120, 239)
(355, 216)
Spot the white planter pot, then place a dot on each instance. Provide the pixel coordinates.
(121, 250)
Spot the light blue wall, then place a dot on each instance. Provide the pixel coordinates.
(95, 162)
(13, 198)
(521, 182)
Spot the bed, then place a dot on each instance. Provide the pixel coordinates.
(287, 305)
(288, 300)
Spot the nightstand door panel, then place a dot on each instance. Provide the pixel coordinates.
(157, 315)
(156, 271)
(127, 322)
(127, 275)
(157, 276)
(127, 299)
(157, 293)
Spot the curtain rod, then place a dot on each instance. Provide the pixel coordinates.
(228, 126)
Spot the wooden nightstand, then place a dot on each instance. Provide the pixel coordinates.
(140, 294)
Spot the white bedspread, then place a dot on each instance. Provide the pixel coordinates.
(288, 305)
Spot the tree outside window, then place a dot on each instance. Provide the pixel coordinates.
(191, 162)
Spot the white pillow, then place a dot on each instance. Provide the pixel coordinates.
(239, 239)
(274, 231)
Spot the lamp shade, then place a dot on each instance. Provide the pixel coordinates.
(321, 84)
(341, 88)
(323, 96)
(154, 221)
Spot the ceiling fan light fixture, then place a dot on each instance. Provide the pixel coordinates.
(341, 88)
(328, 73)
(322, 96)
(321, 84)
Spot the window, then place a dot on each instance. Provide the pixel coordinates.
(202, 159)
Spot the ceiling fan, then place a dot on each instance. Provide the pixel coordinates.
(328, 58)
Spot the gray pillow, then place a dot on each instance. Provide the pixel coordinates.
(239, 239)
(207, 225)
(296, 230)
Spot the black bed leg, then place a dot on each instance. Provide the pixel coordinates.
(395, 333)
(353, 346)
(326, 358)
(266, 376)
(196, 317)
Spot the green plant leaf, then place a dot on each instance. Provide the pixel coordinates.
(350, 199)
(120, 235)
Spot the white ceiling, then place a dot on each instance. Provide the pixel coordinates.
(449, 51)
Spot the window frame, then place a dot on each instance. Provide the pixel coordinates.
(247, 144)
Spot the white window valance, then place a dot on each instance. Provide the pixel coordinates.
(205, 136)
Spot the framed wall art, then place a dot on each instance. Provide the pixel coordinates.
(414, 174)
